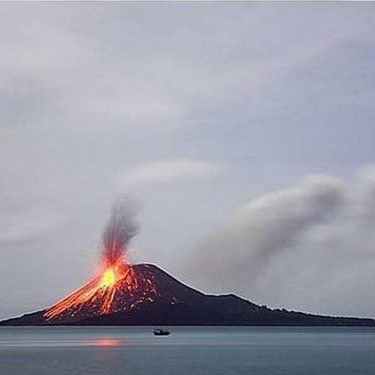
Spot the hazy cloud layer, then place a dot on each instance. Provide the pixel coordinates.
(299, 244)
(167, 171)
(26, 225)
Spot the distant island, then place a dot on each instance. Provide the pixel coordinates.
(147, 295)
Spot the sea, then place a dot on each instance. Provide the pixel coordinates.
(187, 351)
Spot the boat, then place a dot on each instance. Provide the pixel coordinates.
(161, 332)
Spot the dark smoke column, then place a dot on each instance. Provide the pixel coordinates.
(119, 230)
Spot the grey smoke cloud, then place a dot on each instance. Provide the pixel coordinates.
(270, 224)
(297, 244)
(119, 230)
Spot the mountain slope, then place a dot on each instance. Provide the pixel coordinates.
(159, 299)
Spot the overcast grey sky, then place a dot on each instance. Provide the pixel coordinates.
(244, 131)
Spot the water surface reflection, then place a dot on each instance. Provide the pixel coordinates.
(105, 342)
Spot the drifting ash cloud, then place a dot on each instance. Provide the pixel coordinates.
(306, 246)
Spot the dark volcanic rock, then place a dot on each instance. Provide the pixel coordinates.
(177, 304)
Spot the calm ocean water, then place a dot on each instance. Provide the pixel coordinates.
(188, 350)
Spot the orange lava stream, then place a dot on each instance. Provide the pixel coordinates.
(100, 291)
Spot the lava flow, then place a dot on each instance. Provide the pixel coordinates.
(118, 287)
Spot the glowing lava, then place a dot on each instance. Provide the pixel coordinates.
(118, 288)
(108, 278)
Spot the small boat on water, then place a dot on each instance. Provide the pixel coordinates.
(161, 332)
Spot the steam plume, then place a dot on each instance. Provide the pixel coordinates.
(309, 245)
(119, 230)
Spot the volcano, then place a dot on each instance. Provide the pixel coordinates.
(143, 294)
(126, 294)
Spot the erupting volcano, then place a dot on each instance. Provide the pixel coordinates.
(143, 294)
(118, 287)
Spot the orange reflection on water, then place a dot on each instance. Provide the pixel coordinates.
(109, 342)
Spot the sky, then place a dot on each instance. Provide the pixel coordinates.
(243, 133)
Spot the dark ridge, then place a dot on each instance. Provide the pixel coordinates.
(178, 304)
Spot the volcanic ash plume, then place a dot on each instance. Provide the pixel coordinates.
(119, 230)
